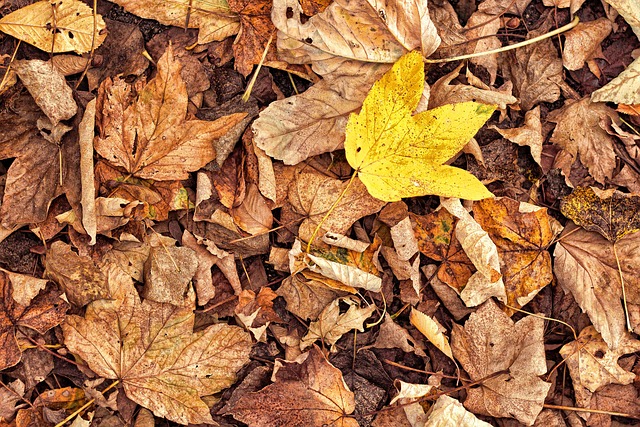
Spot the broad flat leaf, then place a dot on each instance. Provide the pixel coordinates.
(624, 89)
(43, 313)
(448, 412)
(489, 343)
(431, 329)
(579, 132)
(610, 213)
(255, 29)
(397, 154)
(63, 26)
(306, 298)
(585, 265)
(152, 349)
(582, 43)
(392, 335)
(593, 364)
(309, 391)
(331, 325)
(522, 233)
(168, 272)
(436, 239)
(147, 134)
(213, 18)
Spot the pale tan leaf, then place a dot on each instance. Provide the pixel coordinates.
(48, 87)
(624, 89)
(203, 281)
(431, 329)
(63, 26)
(85, 140)
(487, 281)
(25, 288)
(306, 298)
(582, 43)
(448, 412)
(490, 342)
(214, 18)
(593, 364)
(530, 134)
(152, 349)
(331, 325)
(253, 215)
(574, 5)
(392, 335)
(630, 11)
(168, 272)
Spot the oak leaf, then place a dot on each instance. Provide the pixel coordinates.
(309, 391)
(397, 154)
(43, 313)
(511, 355)
(62, 26)
(152, 350)
(147, 135)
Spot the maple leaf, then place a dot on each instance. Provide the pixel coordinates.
(147, 134)
(152, 349)
(255, 29)
(63, 26)
(43, 313)
(397, 154)
(489, 343)
(307, 392)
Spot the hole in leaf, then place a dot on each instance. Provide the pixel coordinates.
(289, 13)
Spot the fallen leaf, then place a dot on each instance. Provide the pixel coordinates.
(490, 343)
(306, 298)
(152, 350)
(9, 396)
(147, 135)
(43, 313)
(592, 364)
(85, 141)
(448, 412)
(253, 215)
(574, 5)
(431, 329)
(48, 88)
(389, 155)
(63, 26)
(610, 398)
(25, 288)
(624, 89)
(610, 213)
(579, 132)
(585, 265)
(309, 391)
(436, 239)
(530, 134)
(332, 325)
(522, 233)
(215, 20)
(255, 29)
(392, 335)
(486, 282)
(582, 43)
(256, 311)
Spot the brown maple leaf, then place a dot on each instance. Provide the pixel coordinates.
(146, 133)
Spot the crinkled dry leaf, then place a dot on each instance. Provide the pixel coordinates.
(253, 215)
(448, 412)
(25, 288)
(582, 43)
(610, 213)
(48, 87)
(147, 134)
(43, 313)
(585, 265)
(214, 19)
(398, 154)
(578, 131)
(86, 130)
(624, 89)
(522, 233)
(256, 311)
(255, 29)
(152, 350)
(530, 134)
(392, 335)
(486, 282)
(331, 325)
(431, 329)
(168, 272)
(306, 298)
(592, 364)
(489, 343)
(63, 26)
(307, 392)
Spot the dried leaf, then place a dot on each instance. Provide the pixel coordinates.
(579, 132)
(255, 29)
(152, 350)
(582, 43)
(45, 311)
(331, 325)
(306, 298)
(85, 140)
(63, 26)
(389, 155)
(307, 392)
(392, 335)
(489, 343)
(148, 135)
(256, 311)
(431, 329)
(530, 134)
(253, 215)
(168, 272)
(448, 412)
(522, 233)
(214, 19)
(624, 89)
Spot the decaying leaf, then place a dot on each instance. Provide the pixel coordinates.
(256, 311)
(63, 26)
(448, 412)
(490, 343)
(307, 392)
(306, 298)
(522, 233)
(152, 349)
(582, 43)
(530, 134)
(43, 313)
(431, 329)
(392, 335)
(147, 135)
(397, 154)
(331, 325)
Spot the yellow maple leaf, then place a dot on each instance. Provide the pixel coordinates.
(397, 154)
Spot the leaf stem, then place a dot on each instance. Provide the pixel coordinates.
(557, 31)
(624, 293)
(331, 209)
